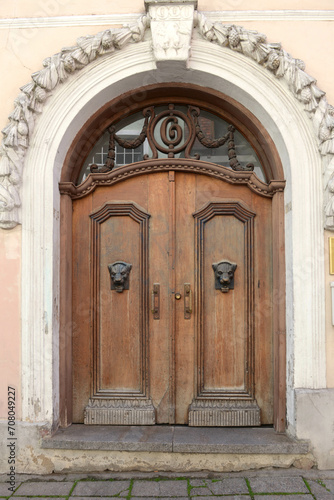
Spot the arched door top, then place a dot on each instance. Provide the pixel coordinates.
(248, 179)
(194, 100)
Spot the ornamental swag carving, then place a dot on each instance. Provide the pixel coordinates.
(172, 44)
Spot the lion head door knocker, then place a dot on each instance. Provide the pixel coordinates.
(224, 275)
(119, 275)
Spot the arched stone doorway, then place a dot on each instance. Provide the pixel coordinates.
(270, 104)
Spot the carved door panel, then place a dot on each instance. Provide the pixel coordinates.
(121, 356)
(224, 364)
(187, 337)
(233, 304)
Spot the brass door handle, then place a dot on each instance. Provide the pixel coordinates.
(188, 299)
(155, 301)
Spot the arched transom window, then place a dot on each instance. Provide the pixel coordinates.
(171, 131)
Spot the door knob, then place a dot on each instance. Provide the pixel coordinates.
(177, 296)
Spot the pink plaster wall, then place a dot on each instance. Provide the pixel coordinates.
(10, 314)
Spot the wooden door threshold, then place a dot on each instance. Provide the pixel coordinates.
(177, 439)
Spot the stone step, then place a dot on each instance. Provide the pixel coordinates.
(177, 439)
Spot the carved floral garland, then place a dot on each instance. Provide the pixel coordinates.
(59, 67)
(271, 55)
(30, 102)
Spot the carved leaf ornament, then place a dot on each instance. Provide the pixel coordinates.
(57, 68)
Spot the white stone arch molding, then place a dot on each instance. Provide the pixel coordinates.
(171, 41)
(71, 105)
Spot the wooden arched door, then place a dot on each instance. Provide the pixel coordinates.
(173, 282)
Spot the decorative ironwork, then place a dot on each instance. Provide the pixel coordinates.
(177, 132)
(224, 275)
(124, 143)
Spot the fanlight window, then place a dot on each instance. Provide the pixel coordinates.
(171, 132)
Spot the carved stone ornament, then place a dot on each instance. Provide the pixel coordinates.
(172, 24)
(224, 275)
(171, 27)
(119, 275)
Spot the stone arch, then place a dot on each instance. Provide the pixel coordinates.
(71, 105)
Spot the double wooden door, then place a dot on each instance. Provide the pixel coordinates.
(172, 302)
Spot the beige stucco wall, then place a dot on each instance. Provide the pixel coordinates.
(22, 52)
(10, 338)
(40, 8)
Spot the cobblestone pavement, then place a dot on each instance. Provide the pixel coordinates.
(290, 484)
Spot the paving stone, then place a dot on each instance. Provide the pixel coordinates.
(160, 488)
(159, 498)
(238, 497)
(319, 491)
(329, 484)
(42, 488)
(4, 492)
(272, 484)
(91, 498)
(100, 488)
(200, 491)
(285, 497)
(197, 482)
(230, 486)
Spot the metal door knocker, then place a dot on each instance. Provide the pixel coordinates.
(119, 275)
(224, 275)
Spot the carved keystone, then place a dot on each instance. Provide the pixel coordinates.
(171, 26)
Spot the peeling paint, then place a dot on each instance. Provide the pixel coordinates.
(37, 406)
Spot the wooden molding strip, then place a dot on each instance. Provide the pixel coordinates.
(200, 167)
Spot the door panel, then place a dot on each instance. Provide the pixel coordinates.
(209, 364)
(224, 339)
(118, 314)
